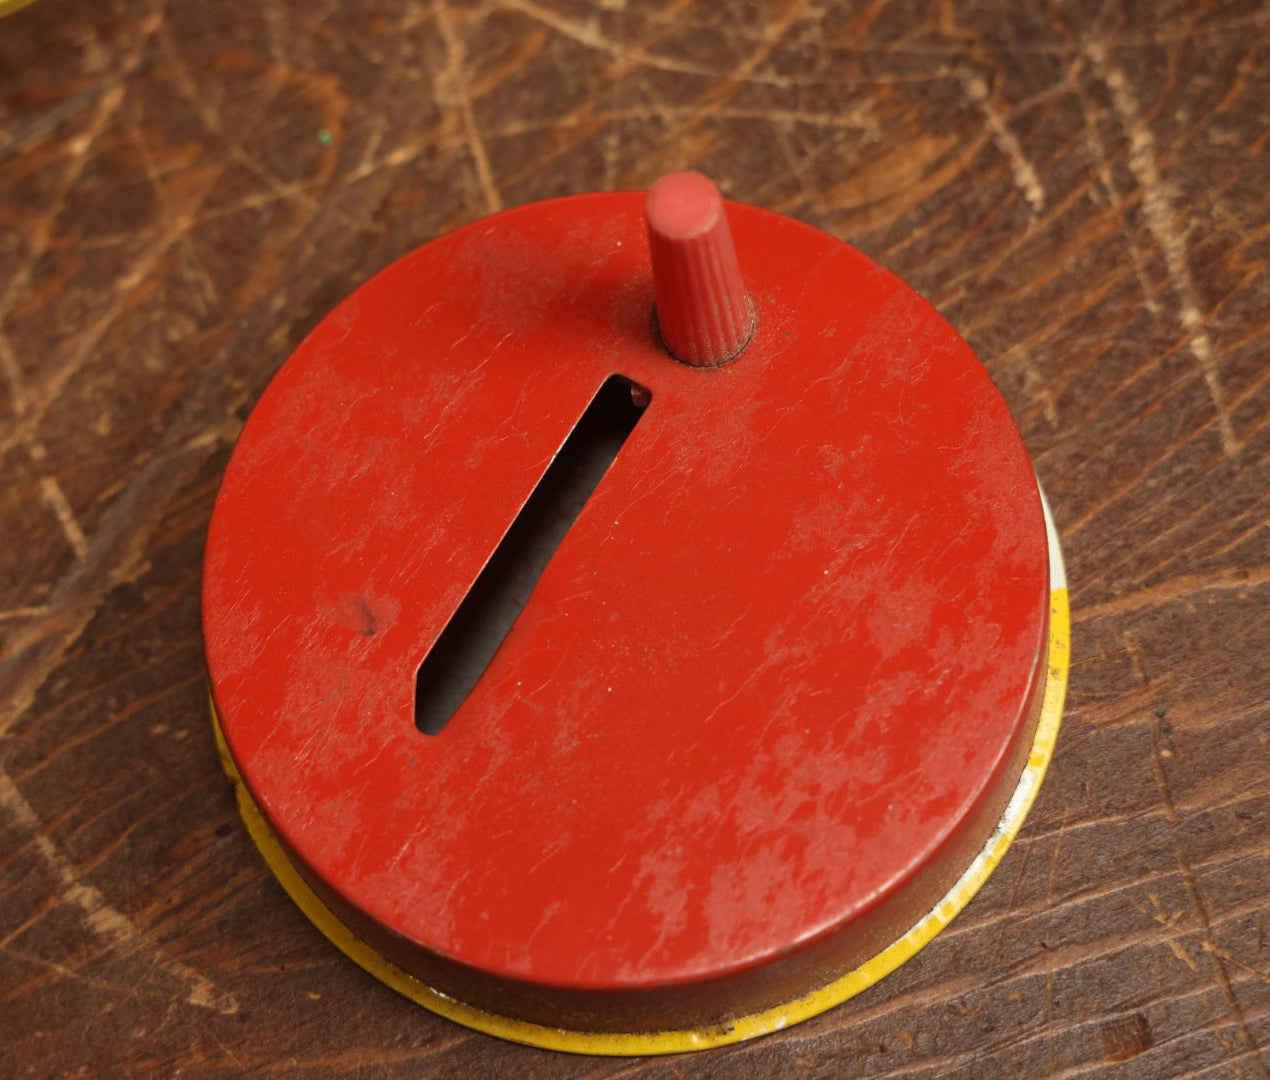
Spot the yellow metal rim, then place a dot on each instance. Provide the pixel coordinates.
(742, 1028)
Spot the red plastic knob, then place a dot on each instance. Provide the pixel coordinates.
(703, 312)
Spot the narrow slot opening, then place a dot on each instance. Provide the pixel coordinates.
(482, 620)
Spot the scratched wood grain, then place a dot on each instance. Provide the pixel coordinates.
(1082, 187)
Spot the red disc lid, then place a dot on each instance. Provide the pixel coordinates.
(781, 662)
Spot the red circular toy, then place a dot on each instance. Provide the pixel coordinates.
(616, 703)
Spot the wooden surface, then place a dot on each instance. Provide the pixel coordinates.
(185, 187)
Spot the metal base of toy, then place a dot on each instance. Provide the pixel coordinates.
(751, 1026)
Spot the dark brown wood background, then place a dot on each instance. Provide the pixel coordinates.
(1082, 187)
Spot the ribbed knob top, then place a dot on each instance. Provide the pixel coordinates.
(703, 311)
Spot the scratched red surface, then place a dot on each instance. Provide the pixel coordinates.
(781, 654)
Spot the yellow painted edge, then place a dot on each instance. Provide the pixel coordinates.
(8, 7)
(745, 1027)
